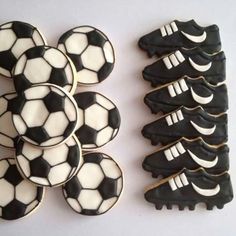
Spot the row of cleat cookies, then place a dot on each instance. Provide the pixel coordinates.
(50, 128)
(192, 97)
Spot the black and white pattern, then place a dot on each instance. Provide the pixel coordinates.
(8, 134)
(44, 64)
(179, 34)
(99, 120)
(15, 38)
(188, 188)
(193, 63)
(189, 123)
(18, 197)
(91, 51)
(49, 167)
(45, 115)
(189, 92)
(190, 154)
(96, 187)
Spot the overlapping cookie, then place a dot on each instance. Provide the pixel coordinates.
(189, 92)
(177, 34)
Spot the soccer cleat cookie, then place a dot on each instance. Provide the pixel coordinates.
(44, 64)
(193, 63)
(190, 154)
(15, 38)
(45, 115)
(49, 167)
(189, 123)
(179, 34)
(96, 187)
(18, 197)
(190, 93)
(187, 188)
(99, 120)
(91, 51)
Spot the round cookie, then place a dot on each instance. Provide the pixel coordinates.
(15, 38)
(99, 120)
(96, 187)
(8, 134)
(91, 51)
(44, 64)
(18, 197)
(49, 167)
(45, 115)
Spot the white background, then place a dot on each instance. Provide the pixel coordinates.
(124, 22)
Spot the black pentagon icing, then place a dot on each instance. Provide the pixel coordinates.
(35, 52)
(58, 77)
(95, 38)
(7, 60)
(105, 71)
(69, 129)
(108, 188)
(114, 118)
(22, 30)
(14, 210)
(73, 156)
(19, 147)
(12, 175)
(65, 36)
(86, 135)
(37, 134)
(39, 193)
(88, 212)
(73, 188)
(15, 140)
(95, 157)
(21, 83)
(54, 102)
(39, 167)
(76, 60)
(85, 99)
(16, 104)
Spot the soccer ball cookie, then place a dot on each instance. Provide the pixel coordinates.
(18, 197)
(44, 64)
(91, 51)
(99, 120)
(96, 187)
(49, 167)
(15, 38)
(45, 115)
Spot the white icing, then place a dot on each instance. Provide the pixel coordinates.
(87, 77)
(174, 117)
(31, 206)
(23, 163)
(76, 43)
(200, 99)
(179, 56)
(184, 179)
(37, 92)
(180, 115)
(180, 148)
(20, 124)
(206, 192)
(172, 184)
(177, 88)
(20, 65)
(174, 151)
(171, 90)
(83, 29)
(174, 60)
(178, 182)
(110, 168)
(104, 102)
(55, 58)
(163, 31)
(183, 85)
(3, 167)
(168, 29)
(168, 155)
(204, 131)
(167, 62)
(109, 53)
(107, 204)
(203, 163)
(7, 192)
(194, 38)
(169, 120)
(104, 136)
(90, 199)
(200, 68)
(74, 204)
(174, 26)
(7, 39)
(17, 49)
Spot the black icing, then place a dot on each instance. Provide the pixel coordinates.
(114, 118)
(39, 167)
(16, 104)
(105, 71)
(37, 134)
(54, 102)
(22, 30)
(76, 59)
(86, 134)
(96, 39)
(159, 131)
(13, 176)
(73, 188)
(73, 156)
(157, 163)
(154, 43)
(21, 83)
(7, 60)
(160, 99)
(108, 188)
(158, 74)
(69, 129)
(35, 52)
(58, 77)
(94, 157)
(85, 100)
(186, 196)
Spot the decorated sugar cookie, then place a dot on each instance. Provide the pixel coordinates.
(99, 120)
(44, 64)
(8, 134)
(96, 187)
(15, 38)
(49, 167)
(18, 197)
(45, 115)
(91, 51)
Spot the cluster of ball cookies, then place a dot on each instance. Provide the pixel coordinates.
(191, 94)
(51, 128)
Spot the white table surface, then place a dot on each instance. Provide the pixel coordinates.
(124, 22)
